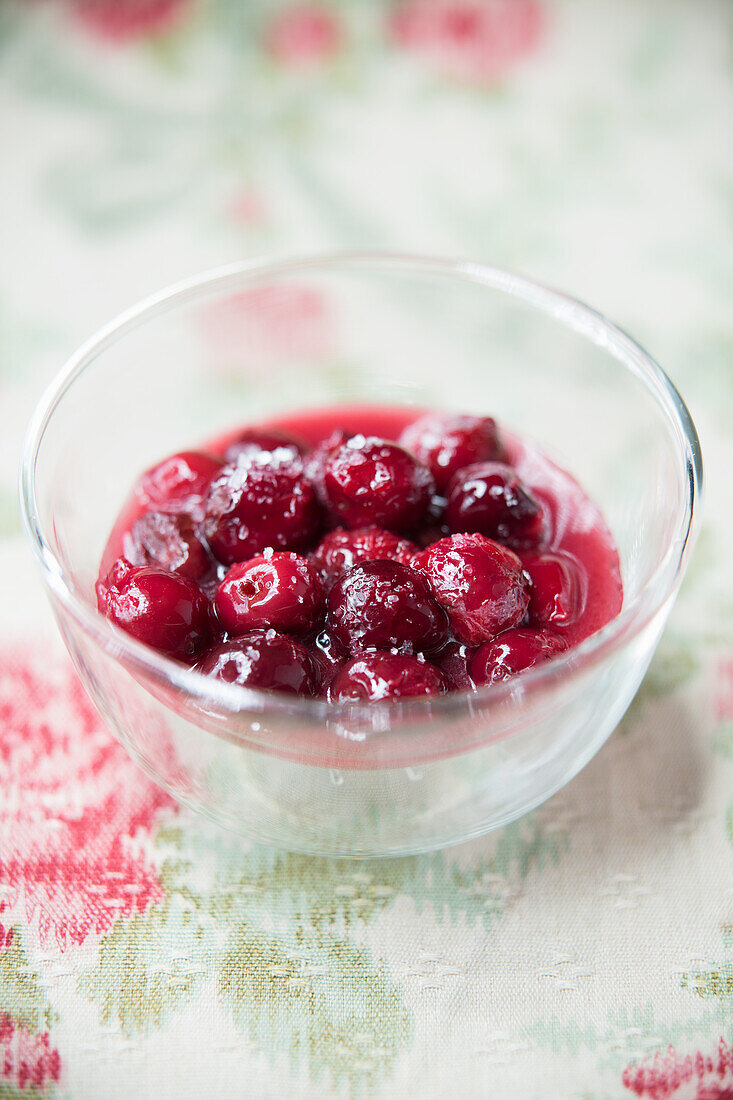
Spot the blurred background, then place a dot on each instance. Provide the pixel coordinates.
(582, 142)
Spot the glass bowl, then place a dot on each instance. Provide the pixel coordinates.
(256, 340)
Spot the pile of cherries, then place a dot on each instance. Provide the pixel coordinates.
(360, 569)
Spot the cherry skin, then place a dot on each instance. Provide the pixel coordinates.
(490, 498)
(329, 656)
(558, 589)
(251, 506)
(367, 481)
(321, 455)
(340, 550)
(375, 676)
(430, 547)
(281, 447)
(445, 444)
(179, 483)
(263, 660)
(479, 582)
(276, 589)
(169, 540)
(385, 605)
(453, 662)
(511, 653)
(163, 610)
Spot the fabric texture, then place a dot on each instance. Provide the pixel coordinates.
(585, 951)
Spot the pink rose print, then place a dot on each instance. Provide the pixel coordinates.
(673, 1076)
(128, 20)
(27, 1061)
(304, 36)
(73, 813)
(265, 327)
(476, 40)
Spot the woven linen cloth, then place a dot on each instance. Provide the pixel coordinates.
(585, 951)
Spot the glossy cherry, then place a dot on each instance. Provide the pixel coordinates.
(316, 462)
(375, 676)
(280, 447)
(340, 550)
(445, 444)
(417, 559)
(328, 655)
(453, 663)
(179, 483)
(276, 589)
(169, 540)
(491, 499)
(264, 660)
(367, 481)
(251, 506)
(385, 605)
(558, 589)
(511, 653)
(479, 582)
(161, 609)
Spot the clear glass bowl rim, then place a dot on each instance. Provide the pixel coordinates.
(571, 312)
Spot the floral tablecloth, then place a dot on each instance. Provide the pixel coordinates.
(583, 952)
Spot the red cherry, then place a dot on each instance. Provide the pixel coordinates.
(264, 660)
(385, 605)
(445, 444)
(179, 483)
(511, 653)
(490, 498)
(558, 589)
(479, 582)
(367, 481)
(453, 663)
(118, 573)
(252, 506)
(340, 550)
(375, 676)
(280, 447)
(278, 590)
(168, 540)
(329, 656)
(320, 456)
(163, 610)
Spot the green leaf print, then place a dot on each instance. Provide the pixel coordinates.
(717, 982)
(157, 959)
(332, 894)
(21, 997)
(308, 993)
(627, 1031)
(9, 1092)
(327, 1002)
(280, 932)
(110, 190)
